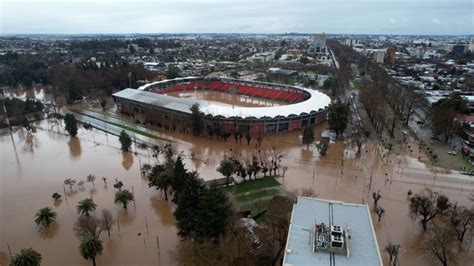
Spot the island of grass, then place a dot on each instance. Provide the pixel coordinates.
(254, 195)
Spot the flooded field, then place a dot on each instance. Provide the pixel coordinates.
(226, 98)
(34, 166)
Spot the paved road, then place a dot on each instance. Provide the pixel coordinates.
(114, 130)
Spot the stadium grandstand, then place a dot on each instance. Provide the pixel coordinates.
(151, 104)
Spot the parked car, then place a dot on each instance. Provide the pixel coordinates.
(452, 153)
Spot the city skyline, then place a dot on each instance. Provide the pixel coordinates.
(421, 17)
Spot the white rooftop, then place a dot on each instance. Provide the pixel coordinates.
(364, 250)
(317, 101)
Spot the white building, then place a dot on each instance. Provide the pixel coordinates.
(471, 45)
(326, 232)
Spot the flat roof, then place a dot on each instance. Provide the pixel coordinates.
(364, 250)
(317, 101)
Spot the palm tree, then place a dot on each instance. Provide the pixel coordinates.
(90, 247)
(124, 197)
(86, 206)
(26, 257)
(45, 217)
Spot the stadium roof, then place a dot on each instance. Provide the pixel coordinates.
(316, 102)
(364, 250)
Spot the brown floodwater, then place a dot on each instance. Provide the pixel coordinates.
(34, 165)
(226, 98)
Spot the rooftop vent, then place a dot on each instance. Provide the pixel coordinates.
(337, 241)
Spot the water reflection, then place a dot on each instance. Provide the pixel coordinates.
(49, 232)
(126, 216)
(127, 160)
(31, 142)
(162, 210)
(75, 149)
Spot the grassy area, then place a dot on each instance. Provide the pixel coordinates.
(257, 184)
(134, 130)
(109, 114)
(257, 194)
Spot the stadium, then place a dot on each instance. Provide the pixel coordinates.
(230, 106)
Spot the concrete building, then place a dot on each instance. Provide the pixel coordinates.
(379, 56)
(261, 57)
(391, 55)
(151, 102)
(471, 45)
(326, 232)
(318, 45)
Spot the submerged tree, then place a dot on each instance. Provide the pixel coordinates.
(380, 212)
(26, 257)
(439, 244)
(124, 197)
(56, 196)
(160, 178)
(461, 219)
(392, 251)
(91, 178)
(70, 182)
(87, 225)
(107, 221)
(197, 120)
(45, 217)
(308, 135)
(323, 146)
(118, 185)
(427, 205)
(86, 206)
(125, 141)
(376, 196)
(90, 247)
(70, 124)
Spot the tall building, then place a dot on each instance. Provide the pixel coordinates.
(471, 45)
(379, 56)
(391, 55)
(459, 48)
(318, 45)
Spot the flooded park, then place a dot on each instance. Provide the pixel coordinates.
(35, 164)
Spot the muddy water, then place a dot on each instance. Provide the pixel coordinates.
(31, 173)
(226, 98)
(35, 165)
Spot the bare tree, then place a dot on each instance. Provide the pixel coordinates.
(376, 196)
(392, 251)
(91, 178)
(86, 225)
(461, 220)
(380, 212)
(106, 221)
(439, 244)
(427, 205)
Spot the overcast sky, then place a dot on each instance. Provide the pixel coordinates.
(231, 16)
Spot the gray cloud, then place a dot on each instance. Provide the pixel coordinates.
(264, 16)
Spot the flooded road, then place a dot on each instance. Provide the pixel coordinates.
(34, 166)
